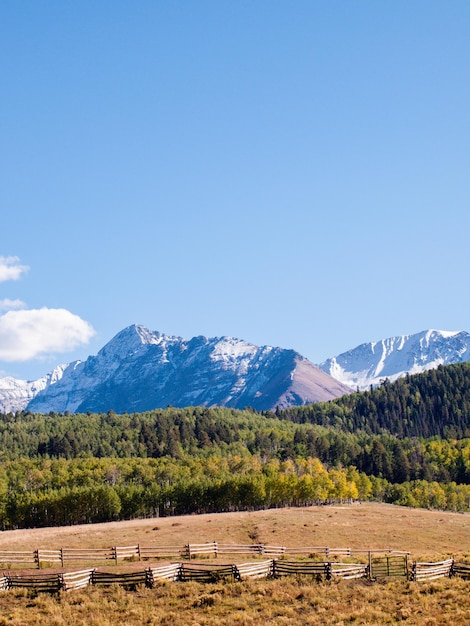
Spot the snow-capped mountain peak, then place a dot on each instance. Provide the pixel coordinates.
(371, 363)
(15, 394)
(139, 370)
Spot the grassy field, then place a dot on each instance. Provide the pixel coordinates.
(423, 533)
(248, 603)
(426, 534)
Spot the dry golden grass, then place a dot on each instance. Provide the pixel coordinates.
(292, 601)
(360, 526)
(249, 603)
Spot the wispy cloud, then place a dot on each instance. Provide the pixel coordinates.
(35, 333)
(10, 268)
(7, 305)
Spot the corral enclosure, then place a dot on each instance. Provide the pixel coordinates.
(287, 600)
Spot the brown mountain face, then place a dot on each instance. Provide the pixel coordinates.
(310, 384)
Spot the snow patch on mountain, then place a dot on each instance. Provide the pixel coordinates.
(371, 363)
(15, 394)
(140, 370)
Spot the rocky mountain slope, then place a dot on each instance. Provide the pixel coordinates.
(140, 370)
(15, 395)
(371, 363)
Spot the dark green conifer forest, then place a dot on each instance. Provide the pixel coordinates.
(406, 442)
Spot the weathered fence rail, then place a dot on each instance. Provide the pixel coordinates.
(349, 570)
(206, 573)
(316, 569)
(431, 571)
(71, 555)
(462, 570)
(50, 557)
(161, 552)
(76, 580)
(129, 579)
(165, 572)
(234, 549)
(49, 583)
(263, 569)
(212, 572)
(64, 556)
(28, 557)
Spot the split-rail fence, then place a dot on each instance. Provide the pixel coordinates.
(42, 558)
(318, 563)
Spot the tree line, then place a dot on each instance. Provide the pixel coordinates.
(433, 403)
(43, 492)
(199, 431)
(405, 442)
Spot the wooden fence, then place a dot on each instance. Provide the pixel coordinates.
(316, 569)
(260, 569)
(389, 566)
(431, 571)
(50, 583)
(462, 570)
(129, 580)
(76, 580)
(165, 572)
(23, 558)
(64, 556)
(183, 572)
(211, 572)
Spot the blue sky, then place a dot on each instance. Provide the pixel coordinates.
(288, 173)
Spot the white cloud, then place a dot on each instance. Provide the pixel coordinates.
(35, 333)
(10, 268)
(7, 305)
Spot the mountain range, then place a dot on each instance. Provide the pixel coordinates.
(140, 370)
(371, 363)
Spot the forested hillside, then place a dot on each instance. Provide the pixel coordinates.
(61, 469)
(436, 402)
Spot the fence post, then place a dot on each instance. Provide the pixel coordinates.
(370, 565)
(216, 551)
(36, 558)
(62, 557)
(179, 575)
(115, 554)
(328, 571)
(138, 552)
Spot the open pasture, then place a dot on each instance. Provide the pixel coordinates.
(423, 533)
(297, 600)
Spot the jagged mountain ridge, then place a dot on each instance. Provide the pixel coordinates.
(371, 363)
(140, 370)
(15, 394)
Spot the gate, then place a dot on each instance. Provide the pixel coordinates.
(388, 566)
